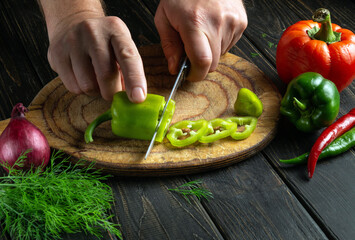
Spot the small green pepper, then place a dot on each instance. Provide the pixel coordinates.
(249, 124)
(135, 120)
(187, 132)
(218, 128)
(248, 104)
(311, 102)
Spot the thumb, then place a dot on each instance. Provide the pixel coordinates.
(170, 40)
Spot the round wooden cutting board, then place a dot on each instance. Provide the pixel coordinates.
(63, 118)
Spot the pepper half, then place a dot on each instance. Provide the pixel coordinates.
(249, 124)
(187, 132)
(311, 102)
(218, 128)
(135, 120)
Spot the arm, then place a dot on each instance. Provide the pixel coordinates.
(92, 53)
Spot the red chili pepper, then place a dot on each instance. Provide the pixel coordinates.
(338, 128)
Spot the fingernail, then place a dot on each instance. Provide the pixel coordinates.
(137, 95)
(171, 65)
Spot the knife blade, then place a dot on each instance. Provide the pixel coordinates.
(180, 77)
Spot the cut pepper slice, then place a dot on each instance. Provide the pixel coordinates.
(187, 132)
(249, 124)
(218, 128)
(135, 120)
(164, 126)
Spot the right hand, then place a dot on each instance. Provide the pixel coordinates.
(96, 55)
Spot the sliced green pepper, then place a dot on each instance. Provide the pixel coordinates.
(135, 120)
(187, 132)
(165, 123)
(218, 128)
(249, 124)
(311, 102)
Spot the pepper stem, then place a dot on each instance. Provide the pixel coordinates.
(299, 105)
(100, 119)
(325, 33)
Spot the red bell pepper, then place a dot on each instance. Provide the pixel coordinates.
(338, 128)
(317, 46)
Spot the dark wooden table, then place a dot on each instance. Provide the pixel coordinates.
(254, 199)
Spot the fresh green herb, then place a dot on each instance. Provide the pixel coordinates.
(254, 54)
(62, 198)
(263, 35)
(270, 44)
(193, 188)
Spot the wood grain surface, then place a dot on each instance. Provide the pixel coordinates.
(63, 117)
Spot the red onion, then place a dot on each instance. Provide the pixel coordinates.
(19, 136)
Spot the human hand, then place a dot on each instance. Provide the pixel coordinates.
(204, 29)
(96, 55)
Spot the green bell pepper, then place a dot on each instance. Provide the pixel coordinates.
(311, 102)
(187, 132)
(135, 120)
(218, 128)
(249, 124)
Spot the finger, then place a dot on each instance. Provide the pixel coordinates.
(106, 70)
(230, 40)
(233, 30)
(121, 77)
(170, 40)
(215, 45)
(132, 66)
(199, 52)
(84, 73)
(61, 64)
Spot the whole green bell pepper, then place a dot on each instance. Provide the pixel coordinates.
(135, 120)
(311, 102)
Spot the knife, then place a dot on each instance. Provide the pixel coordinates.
(180, 77)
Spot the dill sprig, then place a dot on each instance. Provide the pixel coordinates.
(193, 188)
(44, 203)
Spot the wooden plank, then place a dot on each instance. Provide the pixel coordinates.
(19, 81)
(29, 26)
(342, 12)
(330, 193)
(152, 5)
(267, 20)
(252, 202)
(146, 209)
(137, 18)
(332, 186)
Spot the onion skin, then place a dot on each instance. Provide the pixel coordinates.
(21, 135)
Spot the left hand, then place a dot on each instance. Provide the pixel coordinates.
(204, 29)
